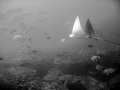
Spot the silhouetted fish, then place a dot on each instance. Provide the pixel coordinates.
(117, 34)
(13, 31)
(35, 51)
(90, 46)
(109, 71)
(30, 39)
(25, 64)
(45, 33)
(1, 58)
(28, 46)
(48, 38)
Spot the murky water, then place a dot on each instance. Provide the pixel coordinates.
(45, 26)
(35, 18)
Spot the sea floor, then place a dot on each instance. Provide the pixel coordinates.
(64, 70)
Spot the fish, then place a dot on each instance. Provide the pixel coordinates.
(1, 58)
(77, 30)
(35, 51)
(62, 40)
(79, 33)
(90, 31)
(90, 46)
(48, 38)
(28, 46)
(92, 72)
(66, 23)
(109, 71)
(45, 33)
(99, 67)
(19, 38)
(117, 34)
(94, 58)
(30, 39)
(13, 31)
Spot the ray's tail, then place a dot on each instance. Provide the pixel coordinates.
(90, 31)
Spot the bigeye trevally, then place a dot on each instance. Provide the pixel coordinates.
(109, 71)
(19, 38)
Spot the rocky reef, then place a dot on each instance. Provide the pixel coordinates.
(67, 71)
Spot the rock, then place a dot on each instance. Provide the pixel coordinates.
(62, 60)
(85, 83)
(53, 75)
(114, 82)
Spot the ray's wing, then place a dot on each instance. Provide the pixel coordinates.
(77, 29)
(77, 26)
(89, 29)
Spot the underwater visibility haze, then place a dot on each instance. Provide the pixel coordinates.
(61, 41)
(49, 22)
